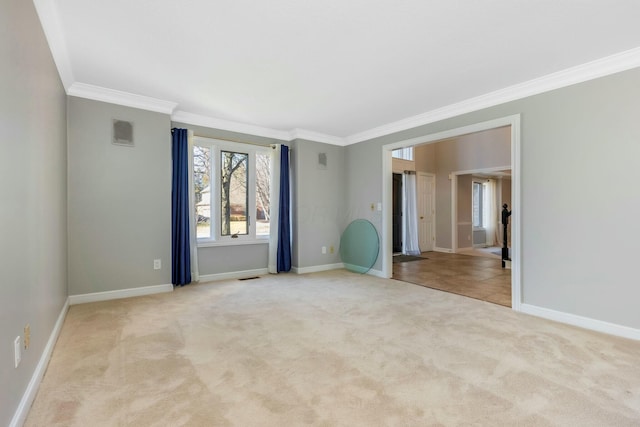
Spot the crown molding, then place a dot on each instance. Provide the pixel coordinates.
(97, 93)
(228, 125)
(54, 34)
(591, 70)
(317, 137)
(232, 126)
(50, 23)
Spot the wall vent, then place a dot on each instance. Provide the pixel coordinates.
(122, 133)
(322, 160)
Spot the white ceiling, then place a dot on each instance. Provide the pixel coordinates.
(339, 70)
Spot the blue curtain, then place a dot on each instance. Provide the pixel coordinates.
(180, 245)
(284, 223)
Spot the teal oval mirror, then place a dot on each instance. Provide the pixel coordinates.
(359, 246)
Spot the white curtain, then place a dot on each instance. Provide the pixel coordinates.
(490, 210)
(193, 224)
(410, 241)
(274, 202)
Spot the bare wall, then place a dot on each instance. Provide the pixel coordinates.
(318, 203)
(33, 211)
(425, 157)
(465, 228)
(119, 199)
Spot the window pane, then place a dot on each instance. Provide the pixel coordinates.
(477, 204)
(263, 188)
(233, 193)
(403, 153)
(202, 187)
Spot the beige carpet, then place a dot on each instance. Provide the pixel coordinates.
(330, 349)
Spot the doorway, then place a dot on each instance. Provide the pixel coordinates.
(513, 122)
(397, 213)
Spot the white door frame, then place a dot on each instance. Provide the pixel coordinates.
(386, 238)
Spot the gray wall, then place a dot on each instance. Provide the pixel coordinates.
(479, 237)
(319, 215)
(119, 199)
(578, 143)
(33, 220)
(363, 183)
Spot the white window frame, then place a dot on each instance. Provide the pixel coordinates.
(217, 146)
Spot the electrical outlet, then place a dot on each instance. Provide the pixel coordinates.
(27, 336)
(17, 349)
(157, 264)
(324, 249)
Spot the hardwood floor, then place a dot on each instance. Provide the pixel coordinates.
(472, 276)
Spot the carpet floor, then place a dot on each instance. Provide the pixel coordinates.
(330, 349)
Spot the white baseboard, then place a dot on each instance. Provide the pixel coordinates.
(582, 322)
(121, 293)
(317, 268)
(233, 275)
(29, 395)
(445, 250)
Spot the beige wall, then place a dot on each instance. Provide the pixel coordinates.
(425, 158)
(481, 150)
(464, 198)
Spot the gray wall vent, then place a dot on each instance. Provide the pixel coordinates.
(122, 133)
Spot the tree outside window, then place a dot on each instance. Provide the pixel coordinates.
(233, 193)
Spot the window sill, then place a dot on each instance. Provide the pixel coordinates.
(230, 242)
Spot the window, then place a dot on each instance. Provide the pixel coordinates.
(483, 204)
(477, 207)
(403, 153)
(231, 187)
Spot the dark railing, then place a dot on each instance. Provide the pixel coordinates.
(506, 213)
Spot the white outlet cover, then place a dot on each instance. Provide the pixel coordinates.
(17, 348)
(157, 264)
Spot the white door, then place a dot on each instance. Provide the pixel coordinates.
(426, 211)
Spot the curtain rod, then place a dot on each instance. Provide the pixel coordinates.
(234, 140)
